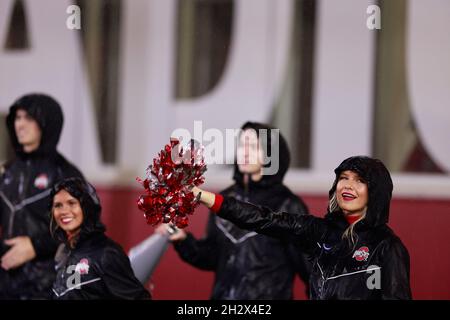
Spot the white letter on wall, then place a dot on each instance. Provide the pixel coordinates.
(429, 75)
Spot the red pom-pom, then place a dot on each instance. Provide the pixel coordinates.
(170, 179)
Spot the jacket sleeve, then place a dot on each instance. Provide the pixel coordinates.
(395, 271)
(303, 229)
(43, 242)
(299, 255)
(202, 253)
(44, 245)
(119, 277)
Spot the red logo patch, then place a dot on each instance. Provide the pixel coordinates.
(362, 254)
(41, 181)
(82, 267)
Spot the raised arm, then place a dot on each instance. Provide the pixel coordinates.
(304, 228)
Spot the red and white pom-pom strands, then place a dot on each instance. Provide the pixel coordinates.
(169, 182)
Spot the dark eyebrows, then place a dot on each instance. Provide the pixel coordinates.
(57, 203)
(343, 174)
(71, 200)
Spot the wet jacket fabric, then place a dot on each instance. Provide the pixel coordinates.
(97, 268)
(375, 266)
(249, 265)
(25, 185)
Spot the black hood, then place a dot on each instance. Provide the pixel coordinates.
(379, 184)
(90, 204)
(284, 156)
(48, 114)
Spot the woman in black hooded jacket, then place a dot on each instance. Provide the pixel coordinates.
(355, 254)
(89, 265)
(248, 265)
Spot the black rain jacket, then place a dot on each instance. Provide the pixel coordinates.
(97, 268)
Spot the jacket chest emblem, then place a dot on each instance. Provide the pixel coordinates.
(82, 267)
(362, 254)
(41, 181)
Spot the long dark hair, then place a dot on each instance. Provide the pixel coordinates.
(85, 193)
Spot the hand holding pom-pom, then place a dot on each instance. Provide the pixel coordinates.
(169, 184)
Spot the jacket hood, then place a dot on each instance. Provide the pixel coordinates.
(85, 193)
(379, 184)
(284, 157)
(47, 113)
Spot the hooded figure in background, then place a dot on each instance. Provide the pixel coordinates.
(27, 249)
(355, 254)
(248, 265)
(89, 265)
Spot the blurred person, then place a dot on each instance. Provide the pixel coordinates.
(27, 249)
(248, 265)
(89, 265)
(356, 255)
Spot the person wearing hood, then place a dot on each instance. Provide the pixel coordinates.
(355, 254)
(34, 124)
(89, 265)
(249, 265)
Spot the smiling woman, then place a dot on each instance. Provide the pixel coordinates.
(352, 193)
(68, 214)
(87, 259)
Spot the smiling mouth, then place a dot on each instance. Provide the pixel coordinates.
(66, 220)
(348, 196)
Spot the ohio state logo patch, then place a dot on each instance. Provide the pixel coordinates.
(82, 267)
(41, 181)
(362, 254)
